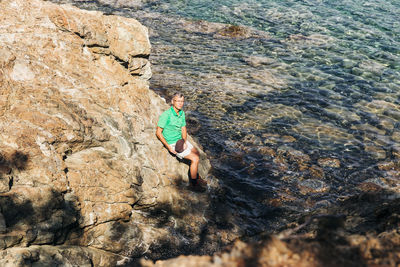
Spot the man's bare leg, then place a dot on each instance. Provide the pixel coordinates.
(194, 158)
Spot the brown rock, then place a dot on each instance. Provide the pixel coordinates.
(288, 139)
(329, 162)
(396, 136)
(280, 163)
(233, 31)
(369, 187)
(312, 186)
(272, 252)
(386, 166)
(396, 151)
(220, 30)
(267, 151)
(80, 163)
(54, 255)
(376, 151)
(270, 138)
(316, 172)
(294, 155)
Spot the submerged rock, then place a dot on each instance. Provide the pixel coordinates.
(376, 151)
(312, 186)
(233, 31)
(329, 162)
(269, 78)
(221, 30)
(256, 61)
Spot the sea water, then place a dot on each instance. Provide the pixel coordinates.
(297, 104)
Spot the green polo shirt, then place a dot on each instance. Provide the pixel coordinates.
(172, 124)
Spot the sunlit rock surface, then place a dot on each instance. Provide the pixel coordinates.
(83, 178)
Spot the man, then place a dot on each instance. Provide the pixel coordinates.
(171, 127)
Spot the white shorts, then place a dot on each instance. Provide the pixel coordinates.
(185, 152)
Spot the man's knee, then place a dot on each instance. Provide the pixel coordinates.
(195, 158)
(195, 151)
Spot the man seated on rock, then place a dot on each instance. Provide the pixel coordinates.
(171, 130)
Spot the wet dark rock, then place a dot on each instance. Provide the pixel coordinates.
(288, 139)
(396, 151)
(329, 162)
(295, 156)
(267, 151)
(388, 165)
(316, 172)
(252, 139)
(280, 163)
(369, 187)
(396, 136)
(271, 138)
(312, 186)
(376, 151)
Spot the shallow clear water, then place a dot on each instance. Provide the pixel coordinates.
(296, 107)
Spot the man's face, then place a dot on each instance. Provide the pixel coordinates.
(178, 102)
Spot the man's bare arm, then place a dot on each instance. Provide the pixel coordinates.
(184, 133)
(162, 139)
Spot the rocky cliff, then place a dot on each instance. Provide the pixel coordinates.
(83, 179)
(85, 182)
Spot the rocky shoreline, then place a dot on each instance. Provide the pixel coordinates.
(363, 230)
(83, 179)
(85, 182)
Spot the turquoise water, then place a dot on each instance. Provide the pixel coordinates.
(286, 17)
(297, 107)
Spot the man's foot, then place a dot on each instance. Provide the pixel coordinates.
(198, 184)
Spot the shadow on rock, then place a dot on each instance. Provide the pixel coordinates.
(37, 216)
(17, 160)
(359, 231)
(191, 224)
(10, 163)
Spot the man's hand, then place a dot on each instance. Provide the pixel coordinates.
(170, 148)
